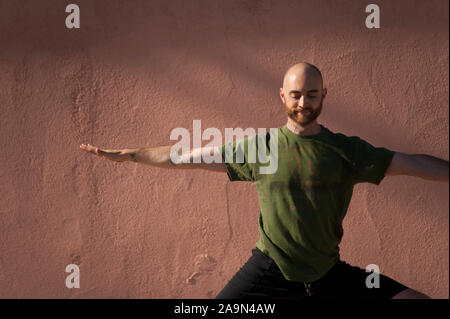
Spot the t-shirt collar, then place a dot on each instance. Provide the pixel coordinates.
(289, 133)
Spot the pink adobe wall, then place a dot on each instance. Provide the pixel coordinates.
(137, 69)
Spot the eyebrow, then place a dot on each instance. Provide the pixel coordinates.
(310, 91)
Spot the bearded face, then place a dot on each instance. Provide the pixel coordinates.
(303, 115)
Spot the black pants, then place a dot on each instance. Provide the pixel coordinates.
(260, 278)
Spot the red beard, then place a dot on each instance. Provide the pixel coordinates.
(304, 119)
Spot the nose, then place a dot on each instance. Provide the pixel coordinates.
(302, 102)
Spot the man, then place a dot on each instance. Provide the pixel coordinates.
(304, 202)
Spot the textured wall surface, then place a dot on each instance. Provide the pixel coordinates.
(137, 69)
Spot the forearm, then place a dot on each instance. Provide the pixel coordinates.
(161, 157)
(154, 156)
(430, 167)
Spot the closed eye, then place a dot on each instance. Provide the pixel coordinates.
(309, 97)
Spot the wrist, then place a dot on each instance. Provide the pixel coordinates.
(131, 155)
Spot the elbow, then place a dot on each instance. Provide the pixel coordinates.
(401, 164)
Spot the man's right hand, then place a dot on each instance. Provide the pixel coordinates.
(113, 155)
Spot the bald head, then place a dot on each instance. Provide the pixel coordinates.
(303, 94)
(302, 70)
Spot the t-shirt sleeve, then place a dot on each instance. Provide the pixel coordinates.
(369, 162)
(238, 161)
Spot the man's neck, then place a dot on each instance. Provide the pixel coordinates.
(312, 128)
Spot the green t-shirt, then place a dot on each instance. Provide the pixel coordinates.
(303, 202)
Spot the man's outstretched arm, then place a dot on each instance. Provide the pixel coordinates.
(419, 165)
(159, 156)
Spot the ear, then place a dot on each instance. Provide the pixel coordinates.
(282, 95)
(324, 92)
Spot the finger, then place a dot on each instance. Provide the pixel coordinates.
(89, 148)
(85, 147)
(109, 154)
